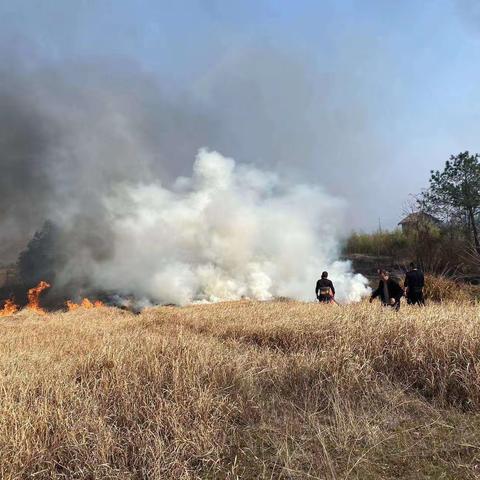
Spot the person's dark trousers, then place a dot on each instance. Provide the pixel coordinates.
(415, 298)
(324, 298)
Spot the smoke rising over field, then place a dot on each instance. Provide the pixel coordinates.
(228, 231)
(101, 157)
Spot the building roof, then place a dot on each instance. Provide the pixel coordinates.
(417, 217)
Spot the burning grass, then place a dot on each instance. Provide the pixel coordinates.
(9, 308)
(85, 303)
(241, 390)
(34, 297)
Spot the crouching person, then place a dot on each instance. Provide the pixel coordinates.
(324, 290)
(388, 290)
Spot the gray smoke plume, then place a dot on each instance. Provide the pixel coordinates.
(67, 135)
(105, 155)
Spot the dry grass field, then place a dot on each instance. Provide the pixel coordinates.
(242, 390)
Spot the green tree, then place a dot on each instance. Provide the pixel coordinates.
(454, 193)
(38, 261)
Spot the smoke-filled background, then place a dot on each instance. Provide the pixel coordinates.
(100, 161)
(333, 112)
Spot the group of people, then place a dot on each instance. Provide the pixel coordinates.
(388, 291)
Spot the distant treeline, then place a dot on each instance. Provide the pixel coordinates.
(436, 250)
(442, 232)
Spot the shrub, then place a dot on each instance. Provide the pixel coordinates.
(393, 243)
(440, 289)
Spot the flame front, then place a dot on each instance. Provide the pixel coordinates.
(9, 308)
(86, 303)
(72, 305)
(34, 297)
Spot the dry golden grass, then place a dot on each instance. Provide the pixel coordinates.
(242, 390)
(440, 289)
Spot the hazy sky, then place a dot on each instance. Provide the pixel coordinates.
(363, 97)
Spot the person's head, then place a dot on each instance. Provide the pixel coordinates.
(324, 274)
(412, 266)
(383, 274)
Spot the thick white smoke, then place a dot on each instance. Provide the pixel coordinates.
(229, 231)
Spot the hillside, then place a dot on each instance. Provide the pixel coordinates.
(241, 390)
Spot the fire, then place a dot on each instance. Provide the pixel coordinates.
(72, 305)
(34, 297)
(9, 308)
(85, 303)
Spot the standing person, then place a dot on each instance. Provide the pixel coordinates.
(389, 291)
(414, 283)
(324, 290)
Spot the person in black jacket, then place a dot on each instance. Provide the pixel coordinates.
(324, 290)
(414, 283)
(389, 291)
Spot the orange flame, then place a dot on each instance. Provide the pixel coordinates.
(34, 297)
(72, 305)
(9, 308)
(86, 303)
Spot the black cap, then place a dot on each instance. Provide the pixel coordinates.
(324, 274)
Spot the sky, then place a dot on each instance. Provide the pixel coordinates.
(363, 98)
